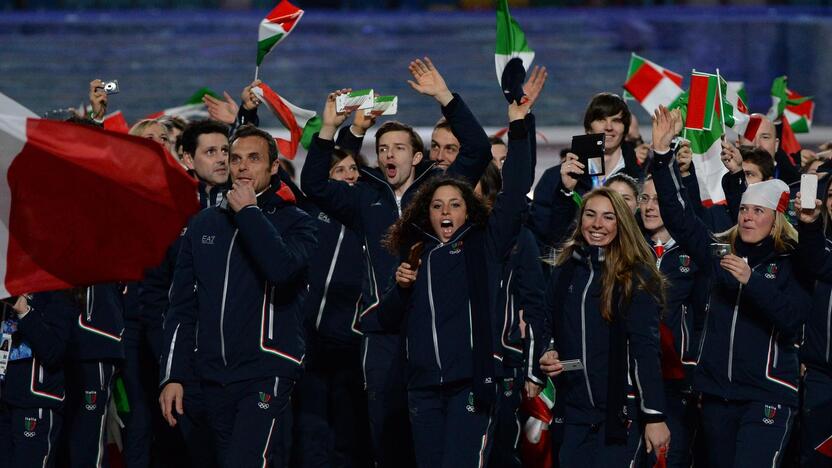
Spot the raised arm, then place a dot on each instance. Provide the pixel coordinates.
(338, 199)
(679, 217)
(506, 218)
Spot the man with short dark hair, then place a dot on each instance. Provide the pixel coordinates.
(205, 154)
(239, 283)
(755, 165)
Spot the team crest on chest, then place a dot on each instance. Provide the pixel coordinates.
(684, 263)
(771, 271)
(265, 398)
(90, 400)
(456, 248)
(470, 406)
(508, 387)
(769, 413)
(29, 425)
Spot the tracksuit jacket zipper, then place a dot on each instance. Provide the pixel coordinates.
(733, 329)
(329, 277)
(225, 296)
(433, 314)
(583, 332)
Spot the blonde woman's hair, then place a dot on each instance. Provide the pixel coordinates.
(626, 257)
(138, 128)
(783, 233)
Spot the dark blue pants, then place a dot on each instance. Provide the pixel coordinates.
(448, 430)
(682, 420)
(384, 367)
(28, 436)
(244, 417)
(506, 450)
(816, 418)
(740, 434)
(195, 428)
(87, 421)
(137, 425)
(331, 406)
(584, 446)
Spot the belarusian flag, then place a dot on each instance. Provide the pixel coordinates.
(193, 109)
(511, 42)
(301, 123)
(651, 84)
(704, 128)
(735, 103)
(275, 27)
(80, 205)
(798, 110)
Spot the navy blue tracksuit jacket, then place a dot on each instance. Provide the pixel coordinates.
(580, 332)
(97, 334)
(749, 346)
(334, 283)
(369, 207)
(237, 293)
(436, 310)
(521, 289)
(38, 382)
(814, 255)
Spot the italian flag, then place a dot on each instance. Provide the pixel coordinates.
(535, 443)
(651, 85)
(193, 109)
(74, 195)
(798, 110)
(301, 123)
(736, 107)
(511, 42)
(275, 27)
(704, 127)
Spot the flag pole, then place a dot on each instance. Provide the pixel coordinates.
(719, 95)
(256, 72)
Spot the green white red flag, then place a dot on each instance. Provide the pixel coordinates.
(651, 84)
(798, 110)
(301, 123)
(704, 127)
(193, 109)
(511, 41)
(735, 102)
(72, 195)
(275, 27)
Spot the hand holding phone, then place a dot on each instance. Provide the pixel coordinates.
(590, 151)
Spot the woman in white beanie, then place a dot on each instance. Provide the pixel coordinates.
(747, 368)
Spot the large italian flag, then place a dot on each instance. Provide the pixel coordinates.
(511, 41)
(81, 205)
(301, 123)
(704, 127)
(651, 84)
(275, 27)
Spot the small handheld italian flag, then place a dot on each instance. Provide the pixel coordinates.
(275, 27)
(651, 85)
(535, 443)
(798, 110)
(193, 109)
(301, 123)
(511, 44)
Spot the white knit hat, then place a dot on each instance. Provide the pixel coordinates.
(772, 194)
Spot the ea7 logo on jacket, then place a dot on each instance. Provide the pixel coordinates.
(208, 240)
(265, 398)
(29, 425)
(684, 263)
(771, 271)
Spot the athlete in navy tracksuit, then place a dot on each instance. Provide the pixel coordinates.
(520, 296)
(369, 208)
(816, 412)
(448, 316)
(331, 421)
(678, 328)
(237, 295)
(95, 351)
(32, 394)
(747, 368)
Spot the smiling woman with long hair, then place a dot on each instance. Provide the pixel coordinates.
(603, 302)
(444, 302)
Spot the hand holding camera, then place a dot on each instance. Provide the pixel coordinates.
(99, 92)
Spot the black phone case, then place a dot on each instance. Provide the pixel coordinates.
(588, 147)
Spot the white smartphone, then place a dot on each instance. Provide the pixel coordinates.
(808, 191)
(572, 364)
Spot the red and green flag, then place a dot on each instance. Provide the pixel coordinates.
(192, 109)
(275, 27)
(798, 110)
(651, 84)
(301, 123)
(704, 127)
